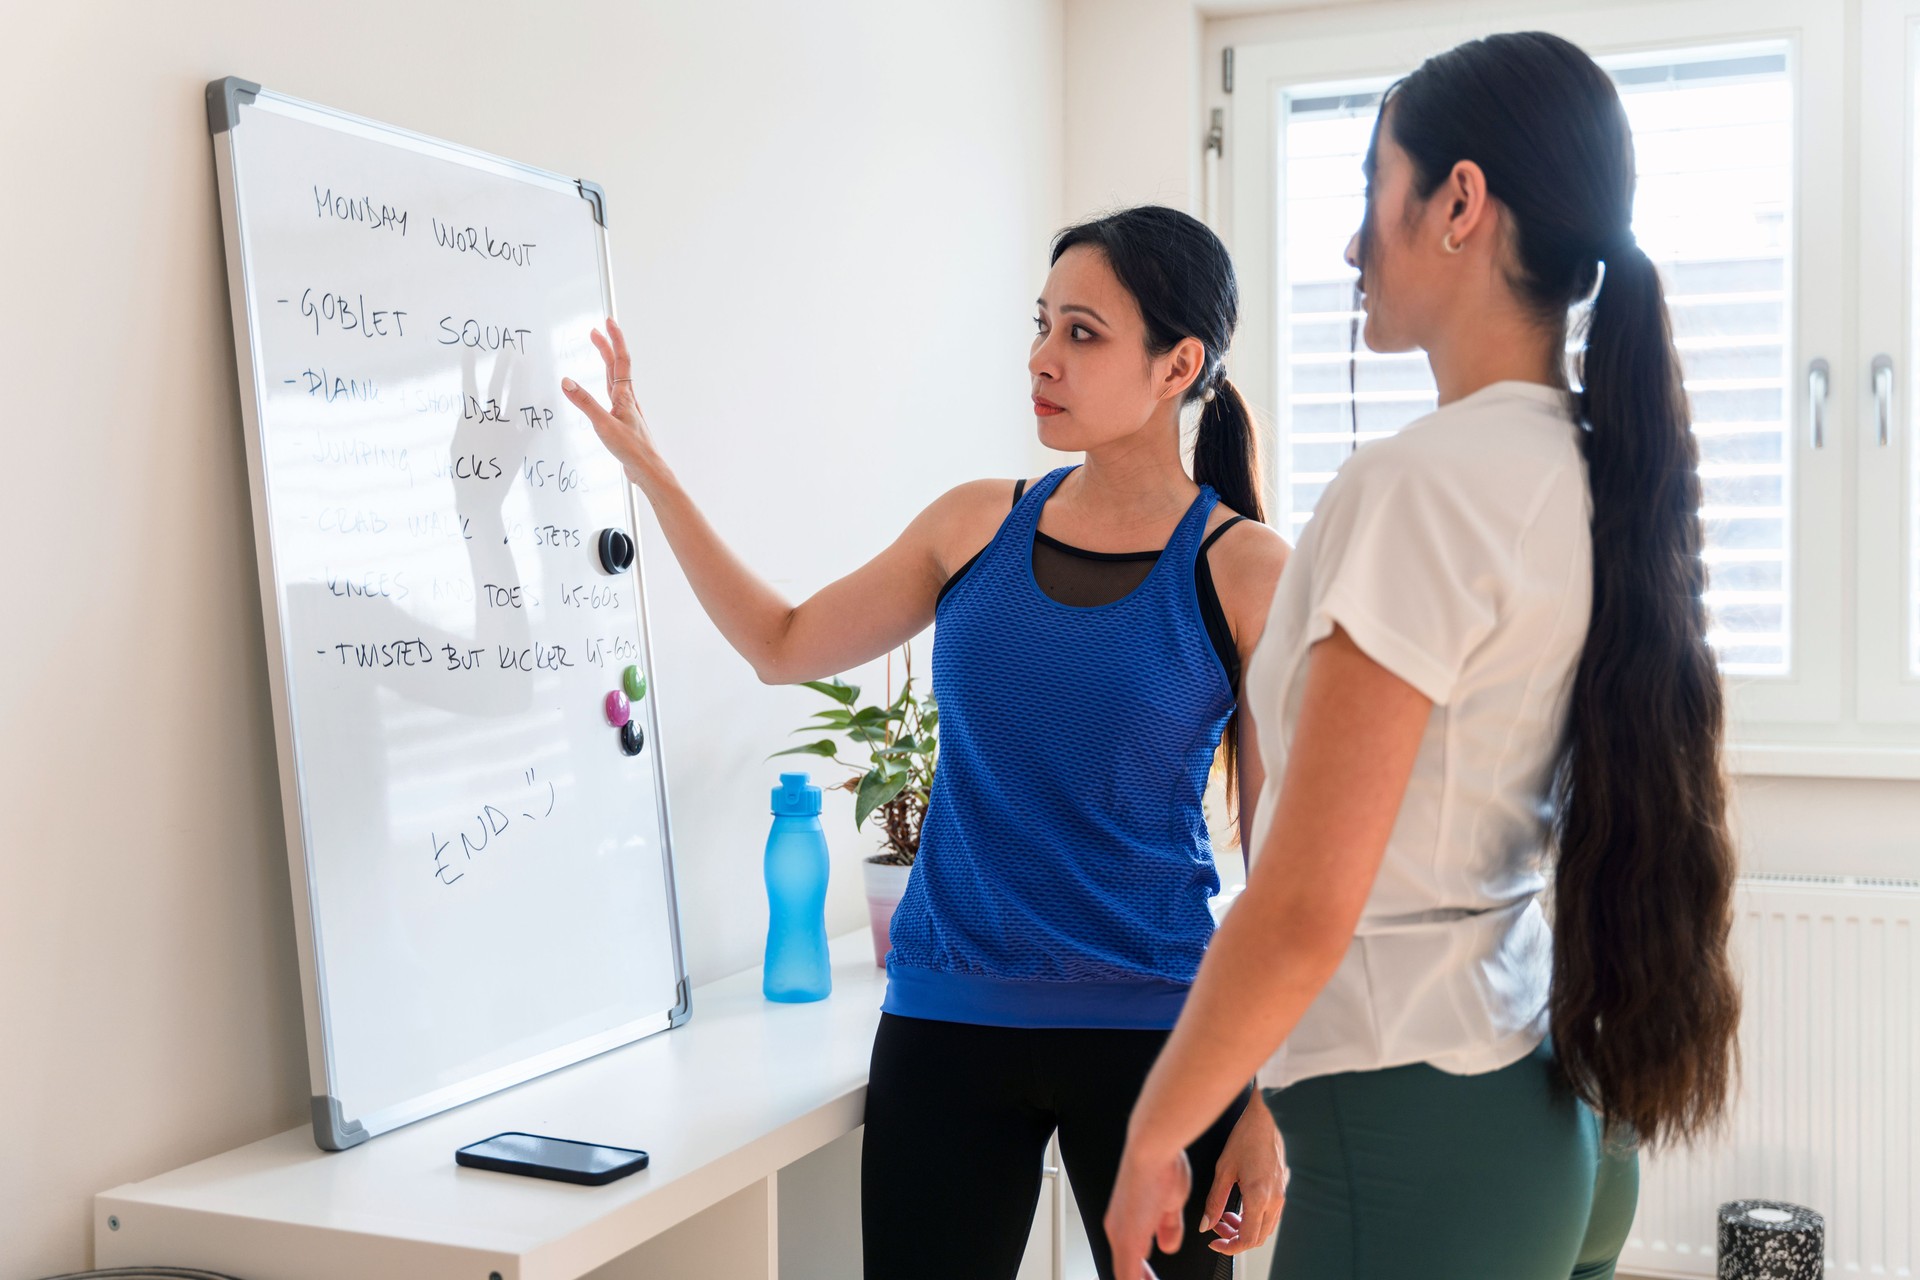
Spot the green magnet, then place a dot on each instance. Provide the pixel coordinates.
(634, 683)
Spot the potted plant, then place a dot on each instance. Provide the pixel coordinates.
(900, 742)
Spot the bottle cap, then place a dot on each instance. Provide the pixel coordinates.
(795, 798)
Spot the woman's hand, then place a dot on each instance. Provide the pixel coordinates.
(620, 425)
(1256, 1160)
(1149, 1197)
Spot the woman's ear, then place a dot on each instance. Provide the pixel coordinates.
(1465, 192)
(1185, 363)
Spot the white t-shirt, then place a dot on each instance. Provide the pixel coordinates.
(1457, 555)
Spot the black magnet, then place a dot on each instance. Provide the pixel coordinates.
(632, 737)
(616, 550)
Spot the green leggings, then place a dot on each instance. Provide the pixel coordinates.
(1414, 1174)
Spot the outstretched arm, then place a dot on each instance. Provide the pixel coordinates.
(871, 611)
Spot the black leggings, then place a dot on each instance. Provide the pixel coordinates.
(958, 1118)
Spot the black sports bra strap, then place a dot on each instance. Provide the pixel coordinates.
(1019, 487)
(1215, 535)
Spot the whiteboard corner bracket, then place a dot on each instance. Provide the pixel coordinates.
(593, 193)
(223, 102)
(331, 1128)
(683, 1009)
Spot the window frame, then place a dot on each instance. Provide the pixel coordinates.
(1888, 688)
(1800, 723)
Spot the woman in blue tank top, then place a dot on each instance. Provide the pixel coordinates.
(1091, 629)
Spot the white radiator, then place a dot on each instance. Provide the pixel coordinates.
(1827, 1115)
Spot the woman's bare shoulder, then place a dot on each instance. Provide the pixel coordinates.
(1249, 546)
(964, 519)
(1246, 562)
(976, 499)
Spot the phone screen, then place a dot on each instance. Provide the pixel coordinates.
(531, 1152)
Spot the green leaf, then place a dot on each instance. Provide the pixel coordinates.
(838, 718)
(837, 689)
(876, 789)
(821, 748)
(867, 733)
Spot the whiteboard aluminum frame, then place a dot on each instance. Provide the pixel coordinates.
(334, 1127)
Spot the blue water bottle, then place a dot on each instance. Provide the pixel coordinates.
(797, 969)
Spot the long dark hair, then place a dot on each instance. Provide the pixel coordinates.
(1182, 277)
(1644, 1007)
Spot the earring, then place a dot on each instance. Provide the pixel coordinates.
(1446, 242)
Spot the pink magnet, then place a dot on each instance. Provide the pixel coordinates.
(619, 710)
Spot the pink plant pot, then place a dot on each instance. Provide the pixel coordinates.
(886, 885)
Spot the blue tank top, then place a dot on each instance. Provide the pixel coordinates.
(1065, 867)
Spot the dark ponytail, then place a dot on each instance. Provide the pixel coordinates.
(1226, 451)
(1182, 277)
(1644, 1006)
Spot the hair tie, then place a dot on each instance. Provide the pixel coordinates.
(1215, 380)
(1619, 246)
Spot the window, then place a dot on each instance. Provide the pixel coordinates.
(1336, 394)
(1714, 140)
(1741, 118)
(1887, 532)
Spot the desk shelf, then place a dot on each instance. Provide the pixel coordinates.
(746, 1088)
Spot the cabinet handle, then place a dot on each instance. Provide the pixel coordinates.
(1883, 395)
(1819, 376)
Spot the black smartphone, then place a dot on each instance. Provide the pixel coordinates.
(556, 1158)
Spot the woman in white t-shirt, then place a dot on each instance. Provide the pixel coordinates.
(1486, 658)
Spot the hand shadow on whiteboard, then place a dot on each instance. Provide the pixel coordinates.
(385, 673)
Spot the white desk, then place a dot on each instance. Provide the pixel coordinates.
(722, 1104)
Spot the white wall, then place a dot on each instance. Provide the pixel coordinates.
(1132, 99)
(828, 220)
(1139, 73)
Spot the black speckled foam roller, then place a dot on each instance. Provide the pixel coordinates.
(1771, 1240)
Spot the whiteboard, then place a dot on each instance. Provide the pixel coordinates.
(482, 873)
